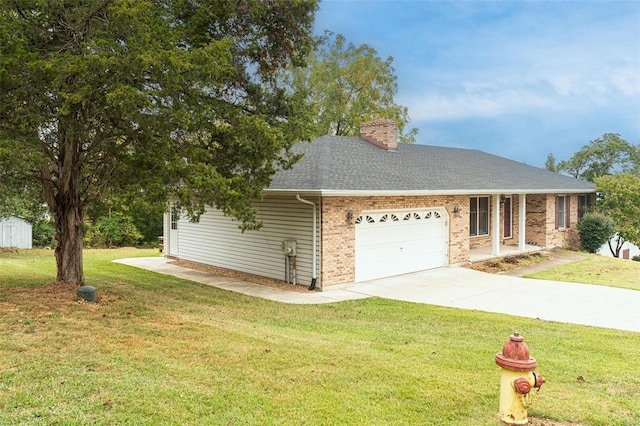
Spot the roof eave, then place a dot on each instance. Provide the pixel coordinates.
(392, 193)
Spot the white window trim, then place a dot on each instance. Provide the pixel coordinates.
(477, 235)
(561, 215)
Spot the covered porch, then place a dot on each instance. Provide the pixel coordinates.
(501, 226)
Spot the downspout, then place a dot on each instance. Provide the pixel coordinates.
(314, 277)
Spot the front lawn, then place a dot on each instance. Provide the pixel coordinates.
(158, 350)
(596, 269)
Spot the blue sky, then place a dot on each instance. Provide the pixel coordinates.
(513, 78)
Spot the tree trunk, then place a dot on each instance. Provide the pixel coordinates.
(69, 233)
(619, 243)
(68, 205)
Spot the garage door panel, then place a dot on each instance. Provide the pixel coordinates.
(414, 242)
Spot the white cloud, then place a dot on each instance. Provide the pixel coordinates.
(561, 58)
(454, 106)
(540, 76)
(627, 81)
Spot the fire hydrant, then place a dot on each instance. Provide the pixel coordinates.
(517, 380)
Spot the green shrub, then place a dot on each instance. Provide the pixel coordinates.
(595, 229)
(117, 230)
(43, 233)
(636, 258)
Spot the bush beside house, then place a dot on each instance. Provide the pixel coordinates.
(595, 229)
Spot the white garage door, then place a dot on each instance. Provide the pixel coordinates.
(397, 242)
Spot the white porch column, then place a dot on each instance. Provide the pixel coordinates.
(495, 220)
(522, 222)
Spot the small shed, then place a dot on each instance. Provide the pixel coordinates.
(15, 232)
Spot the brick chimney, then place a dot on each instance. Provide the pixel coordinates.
(380, 132)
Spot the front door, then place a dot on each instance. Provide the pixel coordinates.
(173, 232)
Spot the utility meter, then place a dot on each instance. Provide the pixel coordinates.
(289, 247)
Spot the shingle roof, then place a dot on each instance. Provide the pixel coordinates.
(346, 164)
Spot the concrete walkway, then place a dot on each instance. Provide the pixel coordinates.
(457, 288)
(163, 266)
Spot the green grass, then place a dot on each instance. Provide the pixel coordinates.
(596, 269)
(162, 351)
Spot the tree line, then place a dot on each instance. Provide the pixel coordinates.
(613, 165)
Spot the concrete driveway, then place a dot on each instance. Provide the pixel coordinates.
(453, 287)
(549, 300)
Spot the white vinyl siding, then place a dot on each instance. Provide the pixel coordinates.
(216, 240)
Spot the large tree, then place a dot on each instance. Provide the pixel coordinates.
(346, 85)
(619, 198)
(605, 155)
(155, 97)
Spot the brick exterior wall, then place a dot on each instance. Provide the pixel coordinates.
(338, 233)
(565, 237)
(537, 208)
(540, 227)
(541, 222)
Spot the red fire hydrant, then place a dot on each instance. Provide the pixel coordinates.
(517, 380)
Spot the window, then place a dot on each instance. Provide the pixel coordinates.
(560, 212)
(174, 218)
(508, 218)
(479, 216)
(583, 203)
(563, 212)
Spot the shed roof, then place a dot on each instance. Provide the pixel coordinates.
(338, 165)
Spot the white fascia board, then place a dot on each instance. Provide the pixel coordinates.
(366, 193)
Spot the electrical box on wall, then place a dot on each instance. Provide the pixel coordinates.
(289, 247)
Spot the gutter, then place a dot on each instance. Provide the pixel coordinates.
(314, 277)
(389, 193)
